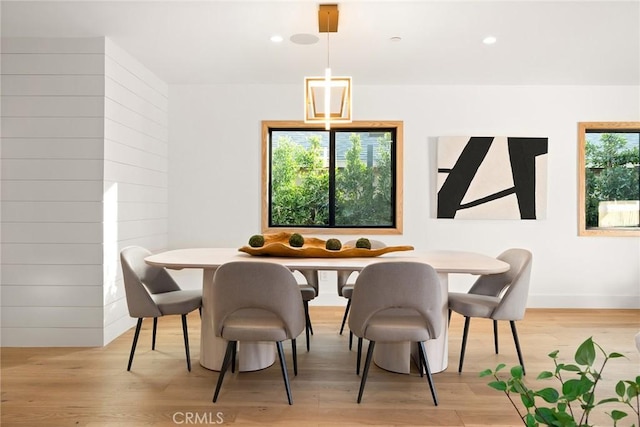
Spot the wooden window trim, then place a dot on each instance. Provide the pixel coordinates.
(582, 190)
(398, 125)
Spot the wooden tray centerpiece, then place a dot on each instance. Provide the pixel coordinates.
(277, 244)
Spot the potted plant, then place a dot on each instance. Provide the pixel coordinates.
(573, 401)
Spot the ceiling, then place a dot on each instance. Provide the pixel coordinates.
(563, 42)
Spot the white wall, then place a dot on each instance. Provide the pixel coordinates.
(135, 173)
(52, 144)
(214, 170)
(84, 173)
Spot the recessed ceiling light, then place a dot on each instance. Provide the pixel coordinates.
(489, 40)
(276, 38)
(395, 38)
(303, 38)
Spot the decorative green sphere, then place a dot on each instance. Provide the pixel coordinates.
(333, 245)
(296, 240)
(363, 243)
(256, 241)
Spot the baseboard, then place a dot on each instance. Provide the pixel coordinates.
(584, 301)
(534, 301)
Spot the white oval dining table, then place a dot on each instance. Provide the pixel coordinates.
(395, 357)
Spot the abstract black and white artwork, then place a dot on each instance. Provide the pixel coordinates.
(492, 177)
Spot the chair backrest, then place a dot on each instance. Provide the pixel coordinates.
(515, 281)
(255, 284)
(141, 280)
(343, 275)
(397, 284)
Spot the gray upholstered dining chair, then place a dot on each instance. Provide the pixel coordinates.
(345, 289)
(396, 301)
(501, 296)
(152, 292)
(256, 301)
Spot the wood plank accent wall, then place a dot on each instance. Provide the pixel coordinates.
(135, 173)
(84, 173)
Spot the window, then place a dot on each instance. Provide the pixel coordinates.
(340, 181)
(609, 171)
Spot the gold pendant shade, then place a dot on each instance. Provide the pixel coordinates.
(327, 99)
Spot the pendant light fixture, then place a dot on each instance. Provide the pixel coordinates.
(327, 99)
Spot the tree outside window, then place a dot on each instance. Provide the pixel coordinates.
(612, 174)
(342, 179)
(609, 167)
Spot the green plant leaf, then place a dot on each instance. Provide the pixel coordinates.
(617, 415)
(615, 355)
(498, 385)
(516, 372)
(633, 384)
(586, 353)
(578, 391)
(530, 421)
(588, 397)
(518, 386)
(527, 400)
(500, 367)
(564, 419)
(544, 375)
(574, 388)
(570, 389)
(486, 372)
(548, 394)
(545, 415)
(587, 407)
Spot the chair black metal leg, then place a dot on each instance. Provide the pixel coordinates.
(350, 340)
(359, 356)
(234, 351)
(449, 319)
(186, 340)
(283, 365)
(223, 369)
(495, 335)
(424, 360)
(294, 355)
(346, 314)
(420, 363)
(467, 320)
(515, 339)
(135, 342)
(153, 336)
(365, 372)
(307, 326)
(200, 311)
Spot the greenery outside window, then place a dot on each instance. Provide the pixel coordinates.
(340, 181)
(608, 178)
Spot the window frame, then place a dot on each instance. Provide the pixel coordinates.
(583, 128)
(373, 125)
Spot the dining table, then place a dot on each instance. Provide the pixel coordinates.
(395, 357)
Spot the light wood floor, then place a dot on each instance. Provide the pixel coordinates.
(91, 387)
